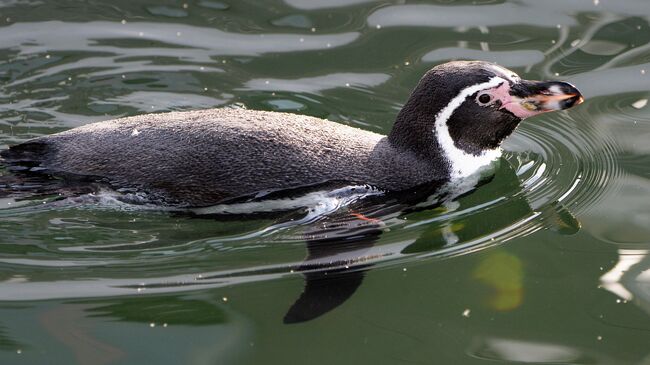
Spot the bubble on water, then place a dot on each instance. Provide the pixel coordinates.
(19, 351)
(347, 84)
(225, 299)
(313, 30)
(466, 313)
(152, 325)
(378, 26)
(599, 338)
(123, 21)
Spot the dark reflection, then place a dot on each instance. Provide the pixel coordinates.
(339, 244)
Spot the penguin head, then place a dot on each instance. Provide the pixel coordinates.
(467, 108)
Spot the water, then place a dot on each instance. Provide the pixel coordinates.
(545, 262)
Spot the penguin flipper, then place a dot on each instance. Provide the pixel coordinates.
(323, 292)
(338, 244)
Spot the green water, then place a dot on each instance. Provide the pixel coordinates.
(547, 262)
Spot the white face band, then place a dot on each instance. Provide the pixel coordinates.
(462, 163)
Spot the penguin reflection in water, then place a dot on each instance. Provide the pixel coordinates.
(451, 126)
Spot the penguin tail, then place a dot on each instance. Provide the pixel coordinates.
(21, 174)
(25, 156)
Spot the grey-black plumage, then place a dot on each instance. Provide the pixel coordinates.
(201, 158)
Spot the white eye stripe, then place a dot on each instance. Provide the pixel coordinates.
(463, 163)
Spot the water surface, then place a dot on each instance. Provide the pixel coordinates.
(545, 262)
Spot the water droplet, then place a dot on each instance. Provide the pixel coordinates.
(406, 63)
(47, 56)
(618, 300)
(19, 351)
(225, 299)
(575, 43)
(404, 269)
(378, 26)
(557, 74)
(347, 84)
(466, 313)
(328, 45)
(599, 338)
(642, 72)
(152, 325)
(165, 325)
(266, 82)
(178, 34)
(596, 2)
(302, 39)
(313, 30)
(185, 5)
(123, 21)
(141, 34)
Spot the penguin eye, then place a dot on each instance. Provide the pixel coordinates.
(484, 99)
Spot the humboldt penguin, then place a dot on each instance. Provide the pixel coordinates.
(452, 124)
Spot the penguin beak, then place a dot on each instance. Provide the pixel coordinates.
(529, 98)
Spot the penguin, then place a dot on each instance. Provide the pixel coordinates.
(451, 126)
